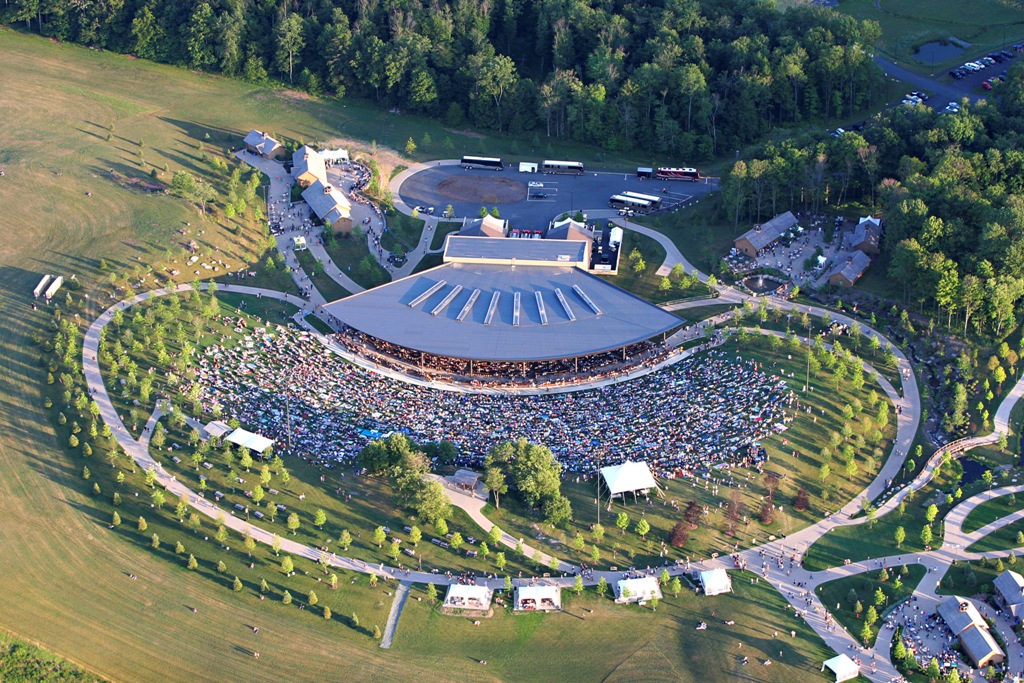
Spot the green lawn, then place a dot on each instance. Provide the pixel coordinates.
(858, 543)
(271, 310)
(647, 283)
(324, 283)
(353, 258)
(443, 229)
(65, 573)
(990, 511)
(1001, 539)
(845, 593)
(907, 24)
(972, 578)
(702, 232)
(599, 641)
(427, 262)
(403, 233)
(699, 313)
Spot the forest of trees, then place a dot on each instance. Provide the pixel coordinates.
(951, 187)
(687, 79)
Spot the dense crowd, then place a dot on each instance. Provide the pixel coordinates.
(554, 372)
(692, 415)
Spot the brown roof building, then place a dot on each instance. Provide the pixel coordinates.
(765, 235)
(258, 142)
(848, 268)
(308, 166)
(867, 236)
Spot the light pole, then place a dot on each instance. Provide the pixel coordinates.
(807, 381)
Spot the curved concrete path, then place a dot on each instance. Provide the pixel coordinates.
(783, 580)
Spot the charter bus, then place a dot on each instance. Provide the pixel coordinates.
(492, 163)
(562, 167)
(619, 201)
(691, 174)
(655, 201)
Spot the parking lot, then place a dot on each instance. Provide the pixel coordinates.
(544, 197)
(944, 88)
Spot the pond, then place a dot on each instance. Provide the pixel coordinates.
(972, 471)
(937, 51)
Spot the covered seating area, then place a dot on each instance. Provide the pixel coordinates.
(254, 442)
(539, 598)
(463, 596)
(843, 667)
(629, 477)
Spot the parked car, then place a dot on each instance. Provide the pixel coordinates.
(986, 85)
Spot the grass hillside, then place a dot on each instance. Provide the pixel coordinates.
(65, 574)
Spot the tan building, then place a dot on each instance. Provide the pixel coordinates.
(308, 166)
(330, 205)
(488, 226)
(258, 142)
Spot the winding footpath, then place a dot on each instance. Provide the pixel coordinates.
(802, 597)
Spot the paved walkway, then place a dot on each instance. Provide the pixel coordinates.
(784, 577)
(401, 595)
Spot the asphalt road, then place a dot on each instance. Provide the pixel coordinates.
(941, 88)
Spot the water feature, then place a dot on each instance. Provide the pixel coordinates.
(759, 284)
(937, 51)
(972, 471)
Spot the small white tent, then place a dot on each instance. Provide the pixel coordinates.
(461, 596)
(216, 429)
(629, 477)
(254, 442)
(716, 582)
(637, 590)
(843, 667)
(538, 598)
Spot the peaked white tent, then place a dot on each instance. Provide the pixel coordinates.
(641, 589)
(843, 667)
(629, 477)
(538, 598)
(461, 596)
(216, 429)
(715, 582)
(254, 442)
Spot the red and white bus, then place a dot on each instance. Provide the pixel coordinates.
(691, 174)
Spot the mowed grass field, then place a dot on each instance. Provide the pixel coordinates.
(906, 24)
(63, 572)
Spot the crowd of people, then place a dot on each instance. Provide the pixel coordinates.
(684, 418)
(536, 373)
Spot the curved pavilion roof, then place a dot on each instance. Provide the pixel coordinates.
(431, 312)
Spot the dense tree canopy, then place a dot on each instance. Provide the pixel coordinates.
(682, 78)
(950, 185)
(533, 474)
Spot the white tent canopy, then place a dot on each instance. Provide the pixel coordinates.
(538, 597)
(716, 582)
(641, 589)
(843, 667)
(629, 476)
(254, 442)
(216, 429)
(462, 596)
